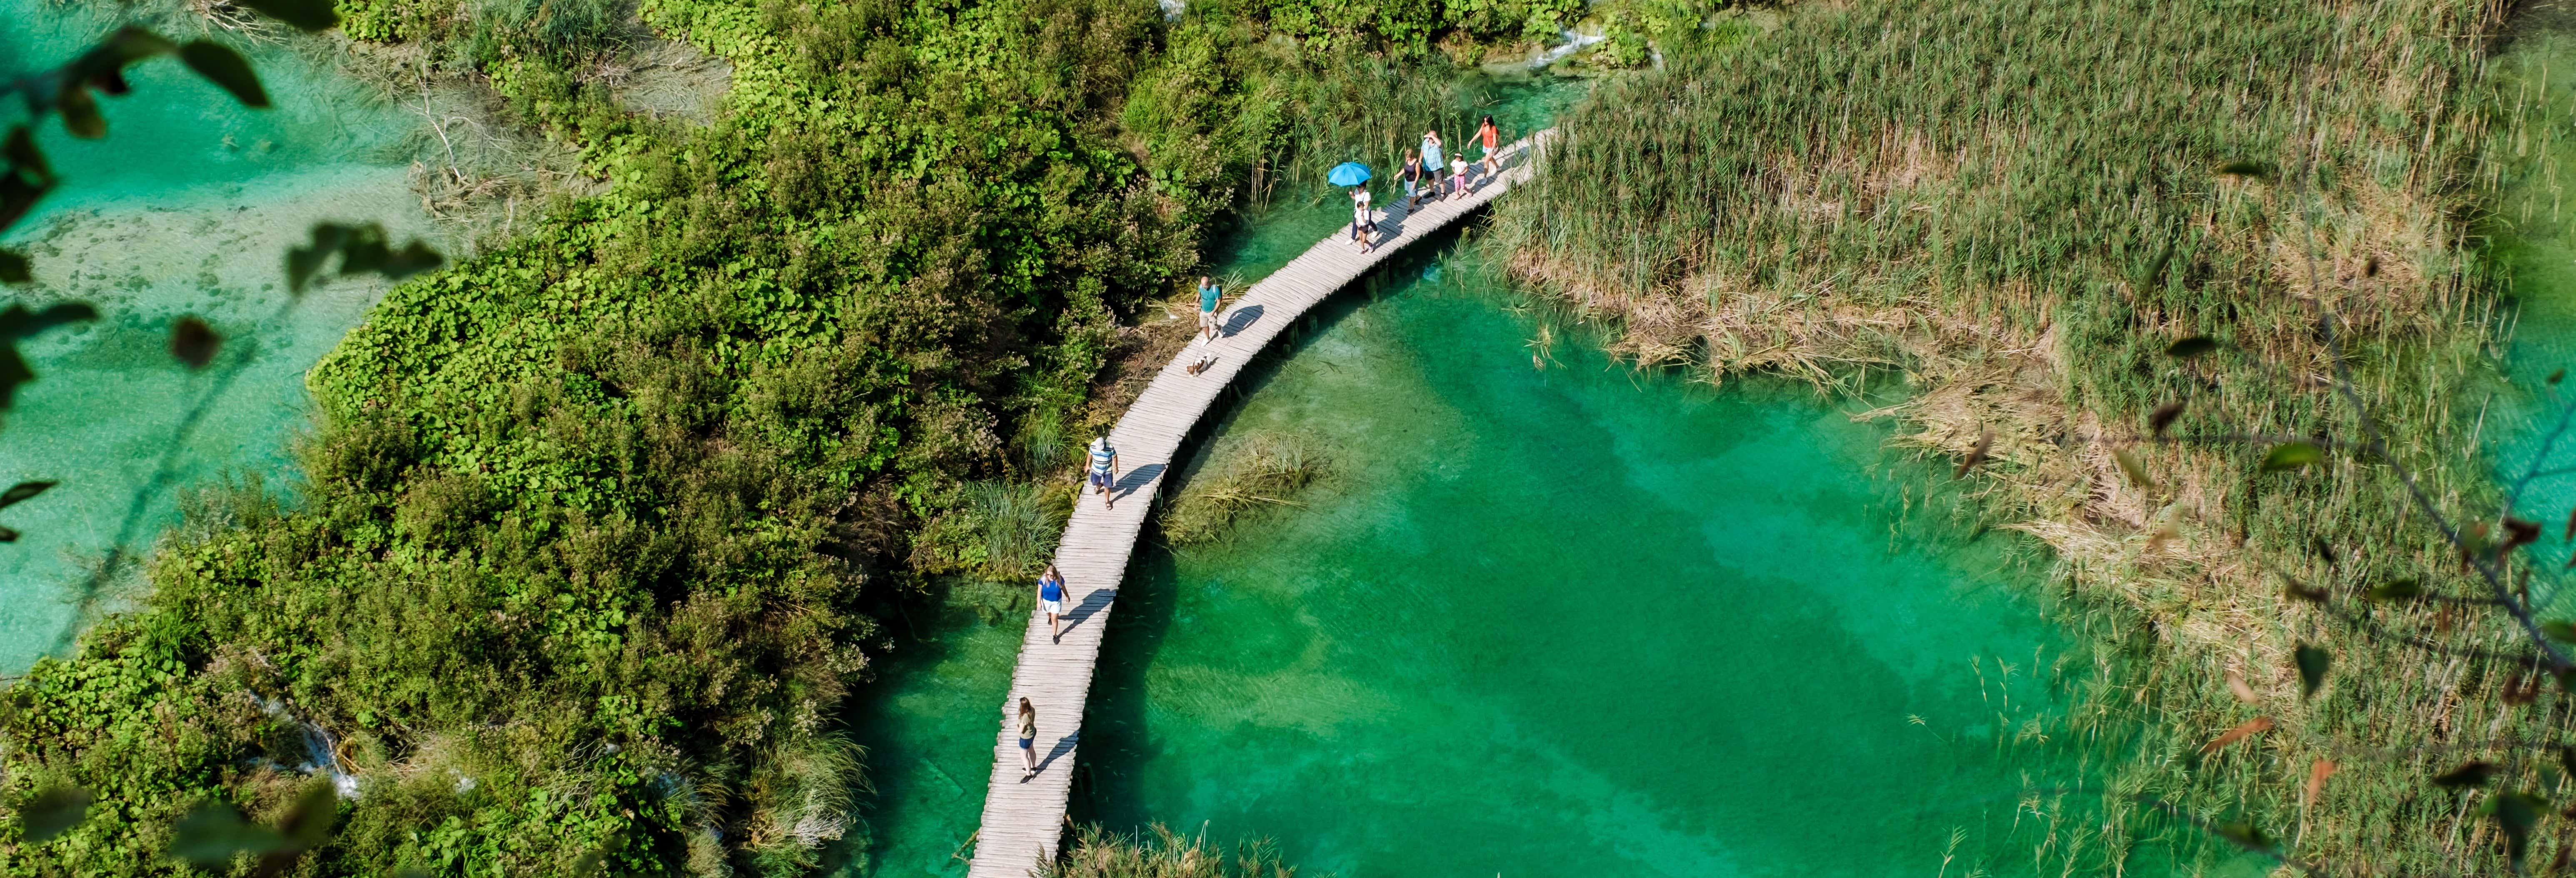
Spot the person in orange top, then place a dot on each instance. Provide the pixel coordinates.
(1488, 137)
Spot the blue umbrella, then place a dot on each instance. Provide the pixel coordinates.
(1348, 174)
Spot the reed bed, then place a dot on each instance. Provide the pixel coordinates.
(1162, 853)
(1260, 470)
(2020, 204)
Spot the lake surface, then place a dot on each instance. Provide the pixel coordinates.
(187, 207)
(1561, 618)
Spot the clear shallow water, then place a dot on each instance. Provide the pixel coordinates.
(2534, 241)
(1571, 620)
(187, 207)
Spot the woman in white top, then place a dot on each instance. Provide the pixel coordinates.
(1363, 220)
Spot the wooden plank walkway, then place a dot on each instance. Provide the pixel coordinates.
(1025, 820)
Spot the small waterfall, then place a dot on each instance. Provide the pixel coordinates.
(321, 750)
(1574, 42)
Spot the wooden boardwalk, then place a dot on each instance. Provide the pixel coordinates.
(1025, 820)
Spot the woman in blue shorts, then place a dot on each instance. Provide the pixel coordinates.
(1028, 740)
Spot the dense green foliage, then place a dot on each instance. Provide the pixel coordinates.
(580, 571)
(2023, 219)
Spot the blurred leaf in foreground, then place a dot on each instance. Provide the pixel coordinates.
(53, 812)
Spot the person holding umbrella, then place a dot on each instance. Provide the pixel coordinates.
(1363, 220)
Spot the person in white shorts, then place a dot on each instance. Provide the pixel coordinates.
(1051, 599)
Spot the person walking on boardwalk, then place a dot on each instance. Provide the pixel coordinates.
(1458, 174)
(1490, 138)
(1431, 159)
(1413, 177)
(1209, 293)
(1104, 471)
(1028, 740)
(1363, 220)
(1051, 599)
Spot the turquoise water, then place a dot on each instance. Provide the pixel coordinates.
(2534, 237)
(1556, 619)
(187, 207)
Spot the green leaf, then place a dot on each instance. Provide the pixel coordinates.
(305, 260)
(2516, 813)
(52, 812)
(220, 65)
(2313, 662)
(2244, 835)
(16, 322)
(2559, 630)
(22, 491)
(2468, 774)
(306, 15)
(13, 267)
(80, 113)
(214, 834)
(2397, 590)
(193, 342)
(362, 250)
(28, 177)
(2164, 417)
(2292, 455)
(2191, 347)
(2136, 471)
(308, 824)
(2246, 168)
(410, 260)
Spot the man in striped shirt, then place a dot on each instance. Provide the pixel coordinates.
(1104, 471)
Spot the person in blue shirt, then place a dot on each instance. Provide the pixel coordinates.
(1431, 159)
(1209, 295)
(1051, 599)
